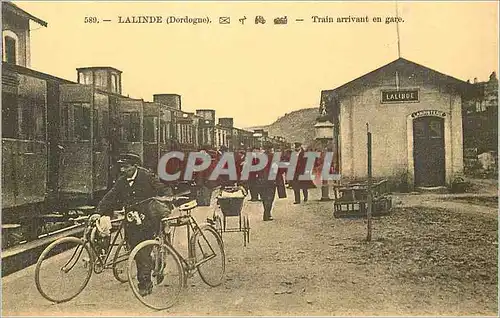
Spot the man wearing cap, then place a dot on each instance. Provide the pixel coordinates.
(134, 185)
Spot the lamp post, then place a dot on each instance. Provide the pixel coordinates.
(324, 133)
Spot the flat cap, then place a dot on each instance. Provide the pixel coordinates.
(130, 158)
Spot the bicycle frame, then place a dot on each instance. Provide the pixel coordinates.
(192, 226)
(102, 260)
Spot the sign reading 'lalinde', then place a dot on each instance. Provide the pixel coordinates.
(400, 96)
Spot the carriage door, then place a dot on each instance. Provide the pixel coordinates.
(428, 151)
(101, 146)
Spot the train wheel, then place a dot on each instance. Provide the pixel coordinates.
(64, 269)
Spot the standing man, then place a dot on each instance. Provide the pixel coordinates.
(252, 178)
(298, 185)
(134, 185)
(267, 187)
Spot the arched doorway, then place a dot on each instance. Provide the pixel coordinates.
(428, 151)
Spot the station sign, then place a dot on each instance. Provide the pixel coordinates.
(400, 96)
(426, 113)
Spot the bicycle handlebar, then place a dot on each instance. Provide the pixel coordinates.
(169, 199)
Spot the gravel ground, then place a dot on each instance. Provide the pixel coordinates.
(422, 260)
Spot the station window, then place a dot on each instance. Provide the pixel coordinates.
(435, 129)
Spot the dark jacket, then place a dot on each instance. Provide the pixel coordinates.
(263, 174)
(300, 170)
(146, 185)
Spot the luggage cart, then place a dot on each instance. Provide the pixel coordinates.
(230, 202)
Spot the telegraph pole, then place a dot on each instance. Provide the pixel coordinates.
(397, 30)
(369, 185)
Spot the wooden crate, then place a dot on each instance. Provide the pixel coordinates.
(358, 208)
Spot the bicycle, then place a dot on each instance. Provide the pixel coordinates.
(170, 269)
(88, 254)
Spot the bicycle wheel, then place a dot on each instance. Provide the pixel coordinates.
(207, 249)
(63, 269)
(166, 280)
(120, 262)
(218, 224)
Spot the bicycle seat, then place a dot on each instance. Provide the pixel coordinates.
(188, 206)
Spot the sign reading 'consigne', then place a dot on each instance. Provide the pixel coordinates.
(400, 96)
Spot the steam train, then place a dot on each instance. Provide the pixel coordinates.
(60, 140)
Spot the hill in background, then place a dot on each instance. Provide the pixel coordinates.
(297, 126)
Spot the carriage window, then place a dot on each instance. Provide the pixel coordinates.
(85, 78)
(97, 138)
(125, 124)
(162, 131)
(27, 119)
(9, 115)
(114, 83)
(150, 129)
(65, 122)
(82, 122)
(131, 125)
(135, 127)
(10, 50)
(105, 124)
(100, 78)
(40, 121)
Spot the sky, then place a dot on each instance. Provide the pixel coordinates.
(257, 73)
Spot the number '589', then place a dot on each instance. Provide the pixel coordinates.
(91, 20)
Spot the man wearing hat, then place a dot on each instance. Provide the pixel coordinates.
(297, 184)
(134, 185)
(267, 187)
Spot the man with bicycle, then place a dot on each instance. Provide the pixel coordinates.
(135, 184)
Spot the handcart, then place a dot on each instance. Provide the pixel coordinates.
(230, 202)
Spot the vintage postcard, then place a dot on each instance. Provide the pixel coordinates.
(279, 158)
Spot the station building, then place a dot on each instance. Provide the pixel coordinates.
(415, 116)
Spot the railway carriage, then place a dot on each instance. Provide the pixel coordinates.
(156, 133)
(84, 143)
(130, 120)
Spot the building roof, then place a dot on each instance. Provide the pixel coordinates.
(10, 7)
(98, 68)
(402, 64)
